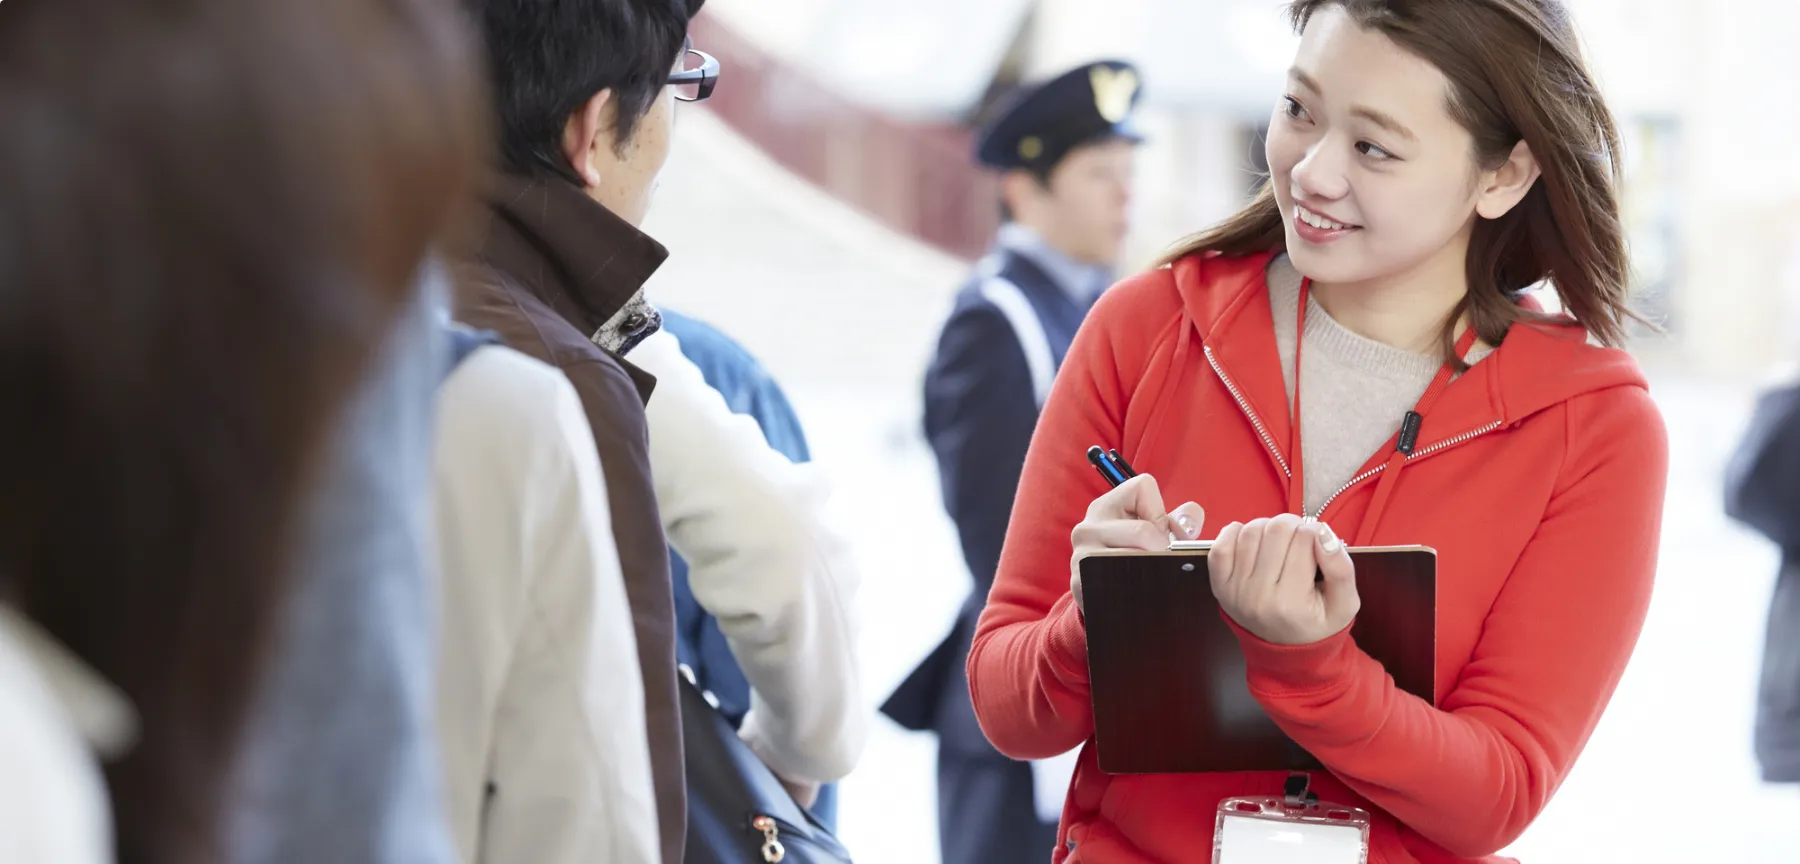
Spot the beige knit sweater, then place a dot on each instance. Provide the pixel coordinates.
(1357, 391)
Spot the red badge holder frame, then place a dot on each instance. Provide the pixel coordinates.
(1295, 828)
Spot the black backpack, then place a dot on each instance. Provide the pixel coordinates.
(738, 811)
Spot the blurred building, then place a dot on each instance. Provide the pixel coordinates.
(871, 100)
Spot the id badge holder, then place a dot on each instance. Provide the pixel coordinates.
(1295, 828)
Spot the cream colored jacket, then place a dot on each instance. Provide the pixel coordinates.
(540, 706)
(55, 715)
(765, 559)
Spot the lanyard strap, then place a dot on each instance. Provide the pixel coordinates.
(1409, 426)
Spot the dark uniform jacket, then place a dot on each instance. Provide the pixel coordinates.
(1763, 491)
(1008, 333)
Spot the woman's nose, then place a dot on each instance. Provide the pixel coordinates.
(1320, 176)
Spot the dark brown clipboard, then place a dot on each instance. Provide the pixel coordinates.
(1167, 673)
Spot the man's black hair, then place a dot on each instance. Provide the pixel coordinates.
(547, 58)
(1040, 173)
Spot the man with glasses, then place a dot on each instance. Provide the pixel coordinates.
(585, 93)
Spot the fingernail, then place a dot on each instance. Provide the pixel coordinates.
(1187, 526)
(1331, 543)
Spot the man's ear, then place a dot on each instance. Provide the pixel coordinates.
(1018, 188)
(1506, 186)
(586, 131)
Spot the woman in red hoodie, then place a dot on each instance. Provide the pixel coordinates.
(1357, 355)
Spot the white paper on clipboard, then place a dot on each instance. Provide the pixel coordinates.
(1050, 779)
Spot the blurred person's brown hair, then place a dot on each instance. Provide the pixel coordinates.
(1517, 74)
(210, 213)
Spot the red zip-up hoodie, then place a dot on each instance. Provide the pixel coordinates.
(1538, 477)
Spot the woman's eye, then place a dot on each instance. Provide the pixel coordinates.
(1292, 107)
(1372, 151)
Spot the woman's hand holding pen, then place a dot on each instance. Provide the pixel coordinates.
(1264, 572)
(1131, 516)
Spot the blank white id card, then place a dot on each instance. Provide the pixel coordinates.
(1265, 831)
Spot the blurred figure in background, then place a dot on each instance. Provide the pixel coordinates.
(749, 390)
(209, 223)
(1068, 150)
(340, 761)
(585, 91)
(540, 704)
(1763, 492)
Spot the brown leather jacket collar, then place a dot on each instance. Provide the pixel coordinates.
(566, 248)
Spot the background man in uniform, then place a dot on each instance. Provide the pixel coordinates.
(1067, 150)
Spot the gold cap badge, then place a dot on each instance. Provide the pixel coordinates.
(1031, 148)
(1114, 90)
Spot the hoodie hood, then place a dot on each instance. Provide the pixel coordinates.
(1536, 367)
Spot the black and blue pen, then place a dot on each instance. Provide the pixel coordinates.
(1111, 465)
(1116, 470)
(1120, 461)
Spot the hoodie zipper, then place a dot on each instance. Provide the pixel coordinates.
(1416, 454)
(1244, 405)
(1269, 441)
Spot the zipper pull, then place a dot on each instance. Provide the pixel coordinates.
(1409, 432)
(772, 850)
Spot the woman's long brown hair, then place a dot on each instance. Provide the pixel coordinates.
(210, 213)
(1516, 74)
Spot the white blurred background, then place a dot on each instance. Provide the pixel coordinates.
(816, 213)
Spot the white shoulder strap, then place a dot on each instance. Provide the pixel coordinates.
(1030, 331)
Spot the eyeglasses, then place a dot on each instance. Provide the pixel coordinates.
(696, 76)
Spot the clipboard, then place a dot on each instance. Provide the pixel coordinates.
(1167, 673)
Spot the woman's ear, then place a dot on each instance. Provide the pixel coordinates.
(1503, 188)
(585, 133)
